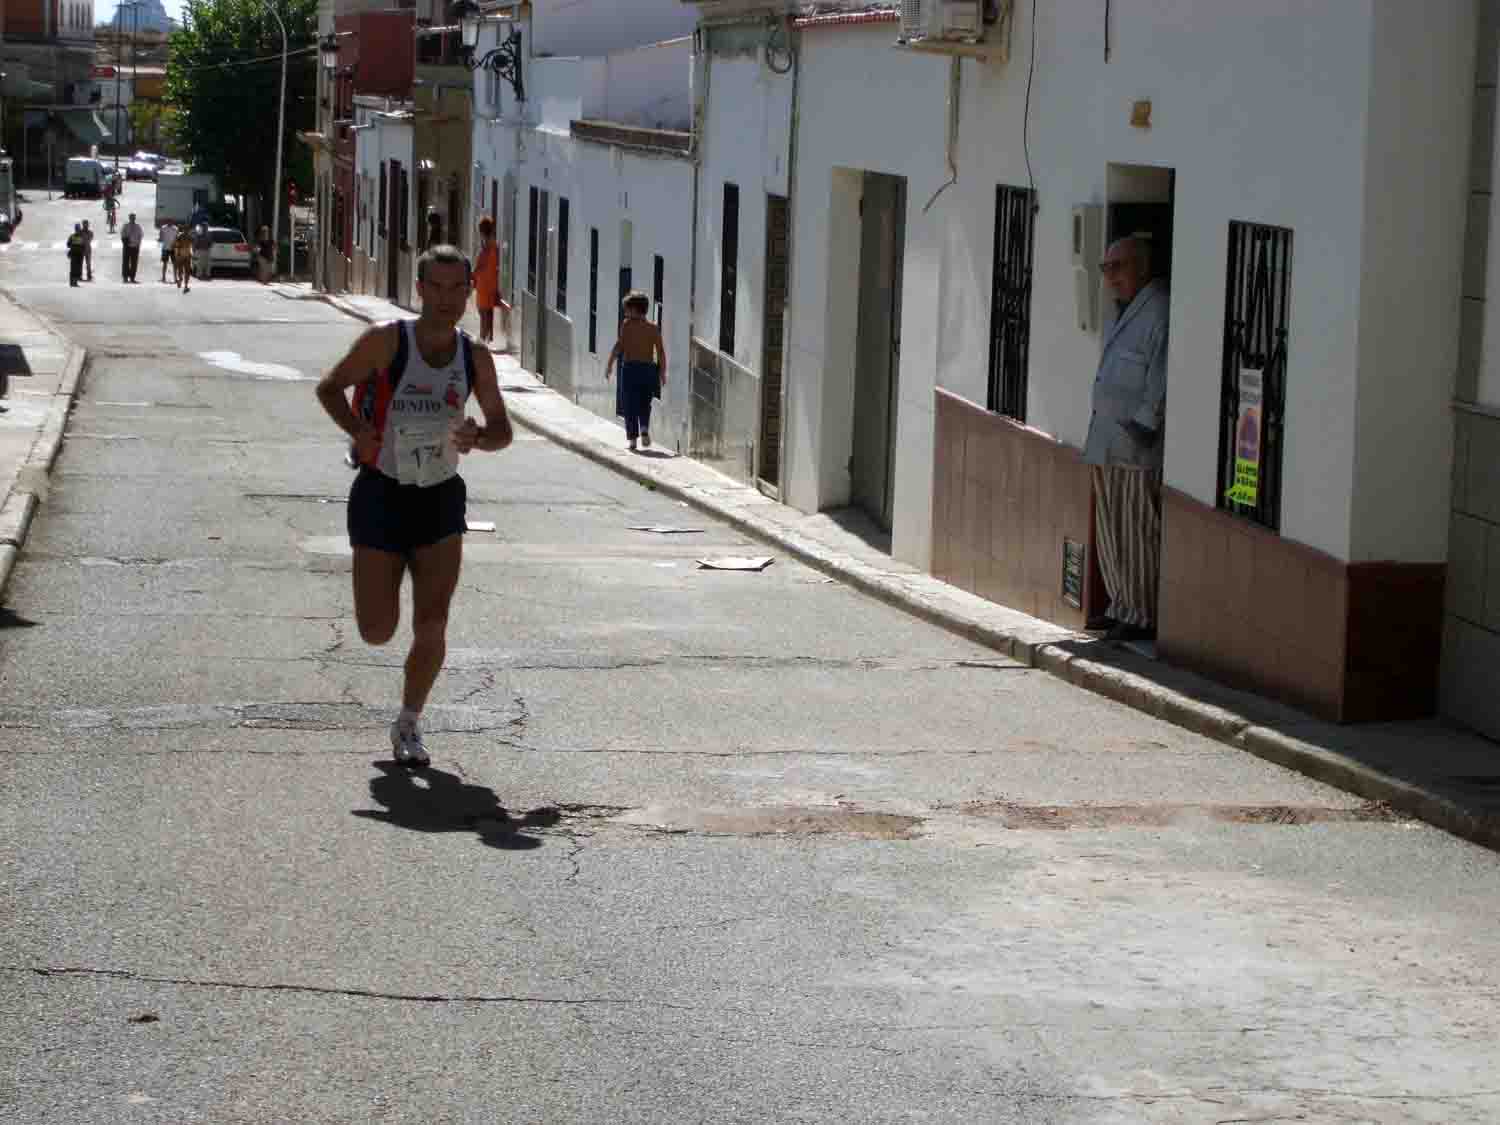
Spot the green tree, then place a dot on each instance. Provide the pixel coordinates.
(223, 86)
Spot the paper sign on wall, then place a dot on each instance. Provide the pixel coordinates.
(1247, 434)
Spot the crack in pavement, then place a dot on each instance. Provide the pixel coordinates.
(322, 990)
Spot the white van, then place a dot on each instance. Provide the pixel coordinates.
(85, 176)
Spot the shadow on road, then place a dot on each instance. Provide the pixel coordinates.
(10, 619)
(434, 800)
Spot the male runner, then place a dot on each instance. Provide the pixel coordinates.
(406, 506)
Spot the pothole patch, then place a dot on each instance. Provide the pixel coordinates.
(1063, 817)
(781, 820)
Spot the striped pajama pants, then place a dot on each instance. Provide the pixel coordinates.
(1127, 529)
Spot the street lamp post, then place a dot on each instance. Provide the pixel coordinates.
(280, 126)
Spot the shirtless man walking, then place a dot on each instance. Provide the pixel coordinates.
(411, 381)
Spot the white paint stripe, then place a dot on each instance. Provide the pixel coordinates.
(63, 245)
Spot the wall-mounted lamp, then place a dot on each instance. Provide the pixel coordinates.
(504, 60)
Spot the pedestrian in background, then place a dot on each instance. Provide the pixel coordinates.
(75, 255)
(88, 250)
(434, 227)
(265, 256)
(643, 368)
(182, 259)
(487, 279)
(166, 236)
(1124, 446)
(130, 243)
(203, 251)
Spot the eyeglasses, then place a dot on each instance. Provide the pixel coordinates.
(1112, 267)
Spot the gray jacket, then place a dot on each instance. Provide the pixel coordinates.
(1131, 385)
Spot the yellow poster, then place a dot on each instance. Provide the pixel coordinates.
(1247, 432)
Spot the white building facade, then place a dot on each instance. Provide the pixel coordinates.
(589, 180)
(1302, 172)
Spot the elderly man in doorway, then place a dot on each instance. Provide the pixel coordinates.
(1124, 447)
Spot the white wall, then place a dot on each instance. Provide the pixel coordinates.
(603, 185)
(1415, 205)
(555, 90)
(746, 142)
(595, 27)
(1262, 110)
(848, 123)
(650, 87)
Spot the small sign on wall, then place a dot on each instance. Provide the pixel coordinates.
(1073, 572)
(1247, 435)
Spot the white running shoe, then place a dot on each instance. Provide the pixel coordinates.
(406, 744)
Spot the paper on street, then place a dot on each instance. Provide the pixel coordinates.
(737, 562)
(665, 529)
(480, 525)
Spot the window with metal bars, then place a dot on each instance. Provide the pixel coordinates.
(405, 203)
(658, 285)
(531, 237)
(593, 290)
(380, 211)
(729, 267)
(1252, 415)
(1010, 300)
(562, 255)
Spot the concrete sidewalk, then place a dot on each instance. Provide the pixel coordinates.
(1432, 771)
(40, 370)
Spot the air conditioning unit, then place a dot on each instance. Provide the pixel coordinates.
(942, 19)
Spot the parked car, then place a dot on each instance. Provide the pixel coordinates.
(231, 250)
(155, 159)
(141, 170)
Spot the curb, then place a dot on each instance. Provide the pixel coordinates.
(1221, 724)
(21, 504)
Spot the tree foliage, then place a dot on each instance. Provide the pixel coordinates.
(224, 82)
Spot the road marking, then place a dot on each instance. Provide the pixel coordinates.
(232, 361)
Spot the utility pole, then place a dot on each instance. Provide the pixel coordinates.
(119, 65)
(280, 128)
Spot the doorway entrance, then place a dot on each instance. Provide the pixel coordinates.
(773, 330)
(872, 461)
(534, 296)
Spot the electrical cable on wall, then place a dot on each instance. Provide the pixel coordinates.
(954, 90)
(783, 50)
(1026, 114)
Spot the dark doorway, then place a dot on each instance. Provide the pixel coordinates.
(878, 350)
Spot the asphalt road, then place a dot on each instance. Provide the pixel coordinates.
(696, 846)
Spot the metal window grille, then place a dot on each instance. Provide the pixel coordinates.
(380, 211)
(1010, 301)
(729, 268)
(405, 209)
(593, 290)
(1252, 418)
(658, 284)
(531, 244)
(562, 255)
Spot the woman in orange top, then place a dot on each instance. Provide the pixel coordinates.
(487, 279)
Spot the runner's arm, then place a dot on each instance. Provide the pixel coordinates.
(496, 434)
(374, 351)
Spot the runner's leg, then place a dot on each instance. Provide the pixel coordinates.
(377, 593)
(434, 577)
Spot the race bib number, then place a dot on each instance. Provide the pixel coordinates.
(425, 454)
